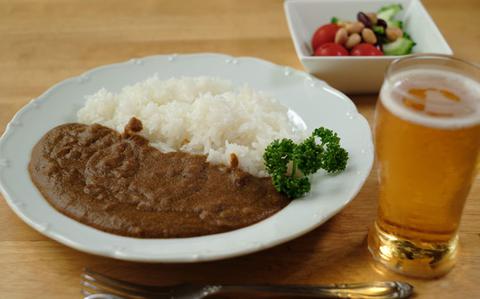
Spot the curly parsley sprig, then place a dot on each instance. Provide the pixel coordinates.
(290, 164)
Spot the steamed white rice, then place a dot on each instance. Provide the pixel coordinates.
(198, 115)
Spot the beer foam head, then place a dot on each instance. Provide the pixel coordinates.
(433, 97)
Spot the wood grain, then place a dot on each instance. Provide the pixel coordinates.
(43, 42)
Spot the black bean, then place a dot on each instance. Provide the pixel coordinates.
(381, 22)
(362, 17)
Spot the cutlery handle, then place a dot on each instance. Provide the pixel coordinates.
(381, 289)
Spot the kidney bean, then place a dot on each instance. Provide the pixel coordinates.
(381, 22)
(362, 17)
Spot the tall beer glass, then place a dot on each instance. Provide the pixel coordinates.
(427, 139)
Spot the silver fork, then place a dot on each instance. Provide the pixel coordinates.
(100, 286)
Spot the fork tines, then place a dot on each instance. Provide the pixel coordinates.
(94, 283)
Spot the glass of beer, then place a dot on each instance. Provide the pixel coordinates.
(427, 140)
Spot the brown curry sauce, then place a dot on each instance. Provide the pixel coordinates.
(120, 184)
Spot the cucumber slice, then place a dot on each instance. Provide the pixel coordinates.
(378, 30)
(395, 23)
(401, 46)
(388, 12)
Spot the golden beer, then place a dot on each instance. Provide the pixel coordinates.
(427, 139)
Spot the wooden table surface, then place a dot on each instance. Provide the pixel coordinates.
(43, 42)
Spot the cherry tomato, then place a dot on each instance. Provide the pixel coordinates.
(365, 50)
(331, 49)
(324, 34)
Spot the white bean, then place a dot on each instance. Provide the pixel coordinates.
(355, 27)
(341, 36)
(369, 36)
(353, 40)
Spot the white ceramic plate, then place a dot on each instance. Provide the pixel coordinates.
(313, 100)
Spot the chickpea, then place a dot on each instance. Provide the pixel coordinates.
(393, 33)
(373, 17)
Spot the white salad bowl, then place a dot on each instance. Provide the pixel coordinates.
(316, 103)
(356, 74)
